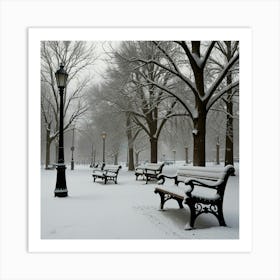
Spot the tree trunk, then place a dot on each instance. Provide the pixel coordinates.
(131, 159)
(199, 133)
(229, 125)
(154, 147)
(153, 126)
(130, 144)
(229, 134)
(116, 158)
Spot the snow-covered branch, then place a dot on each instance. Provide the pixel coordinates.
(219, 94)
(207, 53)
(219, 79)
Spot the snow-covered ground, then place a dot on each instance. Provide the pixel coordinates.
(128, 210)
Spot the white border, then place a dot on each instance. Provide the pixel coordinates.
(262, 16)
(244, 243)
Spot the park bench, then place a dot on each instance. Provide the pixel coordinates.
(108, 172)
(98, 166)
(149, 171)
(201, 188)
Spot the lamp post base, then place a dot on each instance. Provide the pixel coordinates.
(72, 164)
(60, 193)
(60, 188)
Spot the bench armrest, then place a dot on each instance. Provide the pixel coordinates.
(151, 170)
(196, 182)
(161, 178)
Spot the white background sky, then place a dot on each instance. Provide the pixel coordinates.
(261, 16)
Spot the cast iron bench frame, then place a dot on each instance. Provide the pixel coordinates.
(149, 171)
(194, 177)
(106, 173)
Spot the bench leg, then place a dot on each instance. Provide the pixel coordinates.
(220, 216)
(180, 202)
(193, 216)
(215, 209)
(162, 200)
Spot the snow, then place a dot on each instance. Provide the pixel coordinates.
(127, 210)
(195, 131)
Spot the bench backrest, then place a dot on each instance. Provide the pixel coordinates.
(207, 173)
(154, 166)
(112, 168)
(98, 166)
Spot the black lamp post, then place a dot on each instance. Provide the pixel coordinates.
(61, 188)
(72, 150)
(103, 135)
(91, 160)
(174, 155)
(93, 155)
(187, 154)
(218, 151)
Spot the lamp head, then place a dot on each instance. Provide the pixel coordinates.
(61, 76)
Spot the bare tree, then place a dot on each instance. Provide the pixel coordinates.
(76, 58)
(150, 107)
(188, 64)
(228, 49)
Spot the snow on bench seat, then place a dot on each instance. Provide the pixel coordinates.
(201, 188)
(181, 191)
(149, 171)
(109, 172)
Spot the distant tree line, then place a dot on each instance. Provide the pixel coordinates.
(150, 91)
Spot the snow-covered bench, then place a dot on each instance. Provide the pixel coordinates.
(201, 188)
(108, 172)
(149, 171)
(98, 166)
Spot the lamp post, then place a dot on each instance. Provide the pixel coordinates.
(93, 155)
(218, 151)
(187, 154)
(174, 154)
(72, 150)
(103, 135)
(61, 188)
(91, 159)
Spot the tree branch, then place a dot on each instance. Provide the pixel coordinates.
(220, 94)
(219, 79)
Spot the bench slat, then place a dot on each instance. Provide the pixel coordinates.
(149, 171)
(203, 191)
(109, 172)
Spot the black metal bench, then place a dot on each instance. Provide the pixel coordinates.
(108, 172)
(98, 166)
(201, 188)
(149, 171)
